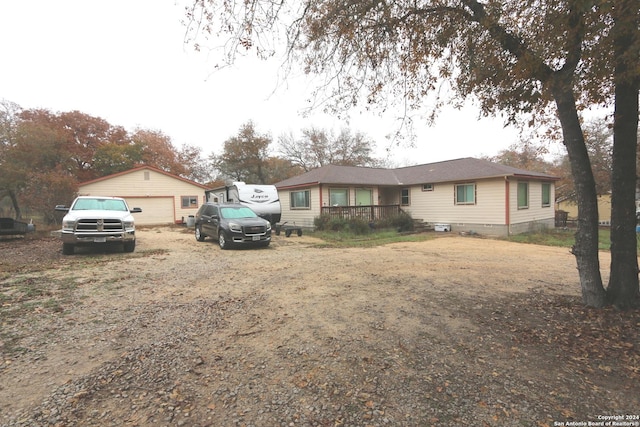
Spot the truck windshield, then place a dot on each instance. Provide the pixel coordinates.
(239, 212)
(100, 204)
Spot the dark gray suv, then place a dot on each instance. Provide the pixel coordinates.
(231, 224)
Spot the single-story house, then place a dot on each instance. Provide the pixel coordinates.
(465, 194)
(163, 197)
(571, 207)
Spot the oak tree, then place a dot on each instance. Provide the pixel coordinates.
(9, 116)
(524, 155)
(318, 147)
(245, 156)
(599, 141)
(196, 167)
(37, 167)
(157, 150)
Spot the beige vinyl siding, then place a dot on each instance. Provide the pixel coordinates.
(301, 217)
(145, 183)
(438, 206)
(535, 211)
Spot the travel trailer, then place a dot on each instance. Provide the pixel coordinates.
(262, 199)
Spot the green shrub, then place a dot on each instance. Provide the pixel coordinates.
(346, 225)
(359, 226)
(401, 223)
(321, 222)
(338, 224)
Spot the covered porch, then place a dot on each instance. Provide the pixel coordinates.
(365, 212)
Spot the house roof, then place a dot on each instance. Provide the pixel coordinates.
(457, 170)
(139, 168)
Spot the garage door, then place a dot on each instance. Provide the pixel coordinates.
(155, 210)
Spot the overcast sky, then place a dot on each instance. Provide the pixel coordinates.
(126, 62)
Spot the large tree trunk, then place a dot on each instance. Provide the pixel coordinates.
(623, 281)
(586, 245)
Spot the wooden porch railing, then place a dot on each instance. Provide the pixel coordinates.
(365, 212)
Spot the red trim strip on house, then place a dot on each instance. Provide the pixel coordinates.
(506, 204)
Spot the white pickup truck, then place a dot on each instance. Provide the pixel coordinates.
(94, 220)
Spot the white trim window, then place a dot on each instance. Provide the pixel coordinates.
(300, 199)
(189, 202)
(546, 194)
(465, 194)
(523, 195)
(338, 197)
(405, 197)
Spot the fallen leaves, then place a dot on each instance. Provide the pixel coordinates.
(605, 340)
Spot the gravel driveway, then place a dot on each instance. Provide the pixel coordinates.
(448, 332)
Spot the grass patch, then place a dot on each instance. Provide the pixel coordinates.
(552, 237)
(23, 297)
(561, 238)
(345, 239)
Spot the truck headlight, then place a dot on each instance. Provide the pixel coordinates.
(68, 224)
(127, 224)
(235, 227)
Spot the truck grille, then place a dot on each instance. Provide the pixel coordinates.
(106, 225)
(257, 229)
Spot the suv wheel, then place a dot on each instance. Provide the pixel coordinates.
(198, 233)
(222, 241)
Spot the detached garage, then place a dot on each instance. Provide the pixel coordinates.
(163, 197)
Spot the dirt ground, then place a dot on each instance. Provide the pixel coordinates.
(453, 331)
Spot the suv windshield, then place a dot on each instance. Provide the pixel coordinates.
(99, 204)
(239, 212)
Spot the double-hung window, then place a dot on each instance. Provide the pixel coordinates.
(465, 194)
(339, 197)
(300, 199)
(405, 199)
(546, 194)
(189, 202)
(523, 195)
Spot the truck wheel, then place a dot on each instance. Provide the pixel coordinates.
(68, 249)
(129, 246)
(299, 232)
(199, 236)
(222, 241)
(287, 233)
